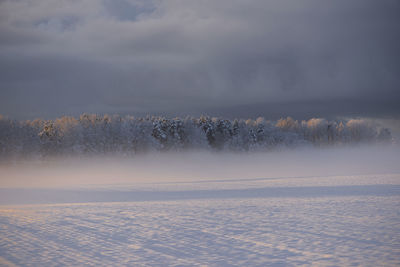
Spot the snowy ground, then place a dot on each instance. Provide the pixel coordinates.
(322, 221)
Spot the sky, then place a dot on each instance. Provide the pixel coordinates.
(300, 58)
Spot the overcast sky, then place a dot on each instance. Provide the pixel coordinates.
(218, 57)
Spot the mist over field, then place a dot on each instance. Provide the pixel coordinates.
(198, 166)
(294, 206)
(126, 153)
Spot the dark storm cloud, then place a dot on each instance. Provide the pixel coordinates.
(217, 57)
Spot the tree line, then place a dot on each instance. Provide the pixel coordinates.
(95, 134)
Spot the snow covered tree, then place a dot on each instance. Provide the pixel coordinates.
(94, 134)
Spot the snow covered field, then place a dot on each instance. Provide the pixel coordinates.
(331, 220)
(343, 221)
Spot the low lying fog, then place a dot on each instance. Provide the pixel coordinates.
(199, 166)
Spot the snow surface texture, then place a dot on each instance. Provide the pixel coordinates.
(94, 134)
(320, 221)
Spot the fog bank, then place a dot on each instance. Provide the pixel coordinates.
(199, 167)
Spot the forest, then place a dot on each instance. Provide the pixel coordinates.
(92, 134)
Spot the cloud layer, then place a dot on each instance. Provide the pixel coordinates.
(175, 56)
